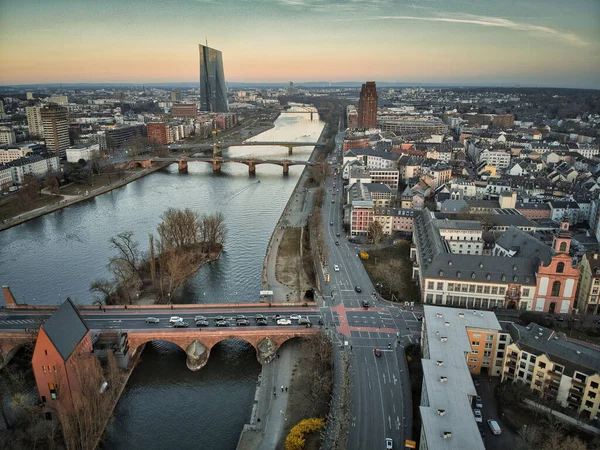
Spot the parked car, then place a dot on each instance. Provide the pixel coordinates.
(477, 414)
(284, 322)
(389, 444)
(197, 318)
(336, 268)
(181, 325)
(152, 320)
(357, 289)
(222, 323)
(201, 323)
(377, 352)
(494, 426)
(478, 402)
(174, 319)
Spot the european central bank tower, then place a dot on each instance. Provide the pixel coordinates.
(213, 92)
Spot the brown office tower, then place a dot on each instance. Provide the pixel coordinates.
(367, 106)
(55, 123)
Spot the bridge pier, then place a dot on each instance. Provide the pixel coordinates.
(252, 168)
(197, 356)
(290, 148)
(216, 166)
(286, 168)
(216, 150)
(182, 166)
(311, 116)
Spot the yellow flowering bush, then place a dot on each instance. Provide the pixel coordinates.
(295, 440)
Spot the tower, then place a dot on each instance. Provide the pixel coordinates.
(56, 129)
(367, 106)
(213, 91)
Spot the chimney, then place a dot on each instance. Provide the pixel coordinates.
(9, 299)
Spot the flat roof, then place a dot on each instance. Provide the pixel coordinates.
(447, 358)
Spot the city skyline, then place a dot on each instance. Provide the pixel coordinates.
(540, 43)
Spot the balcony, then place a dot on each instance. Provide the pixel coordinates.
(555, 375)
(576, 393)
(512, 364)
(512, 357)
(578, 383)
(510, 376)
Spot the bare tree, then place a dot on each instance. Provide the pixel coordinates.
(179, 228)
(376, 232)
(177, 265)
(214, 228)
(126, 262)
(106, 288)
(51, 183)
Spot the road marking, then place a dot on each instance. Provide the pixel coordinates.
(390, 421)
(394, 407)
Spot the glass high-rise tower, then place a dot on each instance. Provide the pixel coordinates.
(213, 91)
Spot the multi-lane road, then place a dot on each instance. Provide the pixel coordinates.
(19, 320)
(380, 395)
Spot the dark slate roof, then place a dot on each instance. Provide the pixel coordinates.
(377, 187)
(525, 245)
(508, 217)
(438, 262)
(572, 355)
(533, 205)
(66, 329)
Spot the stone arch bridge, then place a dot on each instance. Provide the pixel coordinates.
(197, 342)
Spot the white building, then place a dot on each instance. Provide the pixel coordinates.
(81, 151)
(35, 165)
(5, 177)
(7, 136)
(34, 121)
(59, 99)
(497, 158)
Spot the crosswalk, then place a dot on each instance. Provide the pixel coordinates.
(17, 322)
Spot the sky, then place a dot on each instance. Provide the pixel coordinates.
(482, 42)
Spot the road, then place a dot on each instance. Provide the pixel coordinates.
(380, 396)
(136, 320)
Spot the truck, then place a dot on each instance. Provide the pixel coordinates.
(363, 255)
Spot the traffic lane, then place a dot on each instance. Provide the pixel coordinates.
(209, 316)
(367, 412)
(394, 400)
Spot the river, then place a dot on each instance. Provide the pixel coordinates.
(165, 405)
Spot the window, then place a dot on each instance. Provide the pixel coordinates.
(594, 385)
(450, 287)
(476, 335)
(524, 356)
(473, 360)
(560, 267)
(558, 368)
(502, 338)
(475, 343)
(472, 288)
(43, 399)
(488, 345)
(440, 286)
(494, 290)
(532, 360)
(429, 298)
(486, 290)
(591, 394)
(525, 292)
(529, 377)
(430, 285)
(479, 289)
(475, 352)
(523, 364)
(46, 352)
(580, 377)
(521, 374)
(53, 393)
(555, 289)
(44, 369)
(500, 355)
(502, 291)
(563, 247)
(501, 346)
(489, 337)
(589, 404)
(487, 354)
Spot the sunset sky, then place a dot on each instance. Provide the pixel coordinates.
(530, 42)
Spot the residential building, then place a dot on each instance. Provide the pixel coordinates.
(389, 177)
(534, 210)
(120, 136)
(352, 117)
(55, 124)
(413, 125)
(565, 210)
(34, 120)
(35, 165)
(455, 344)
(10, 154)
(59, 99)
(81, 151)
(6, 180)
(503, 120)
(213, 90)
(361, 217)
(589, 284)
(559, 368)
(176, 95)
(7, 136)
(496, 158)
(367, 106)
(157, 132)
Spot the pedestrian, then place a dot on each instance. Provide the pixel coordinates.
(286, 389)
(281, 388)
(275, 394)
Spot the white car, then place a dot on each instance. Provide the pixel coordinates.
(295, 316)
(284, 322)
(478, 417)
(336, 268)
(389, 444)
(174, 319)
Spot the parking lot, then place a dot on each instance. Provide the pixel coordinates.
(506, 440)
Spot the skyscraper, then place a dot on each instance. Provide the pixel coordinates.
(367, 106)
(56, 129)
(34, 121)
(213, 92)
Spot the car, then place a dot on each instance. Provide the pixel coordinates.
(337, 234)
(174, 319)
(240, 317)
(377, 352)
(478, 402)
(365, 304)
(304, 321)
(262, 322)
(222, 323)
(331, 223)
(475, 382)
(332, 201)
(481, 429)
(276, 317)
(389, 444)
(219, 319)
(259, 317)
(201, 323)
(284, 322)
(560, 319)
(181, 324)
(336, 267)
(242, 322)
(152, 320)
(357, 289)
(337, 242)
(477, 414)
(197, 318)
(294, 316)
(494, 426)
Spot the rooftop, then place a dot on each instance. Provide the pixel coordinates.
(65, 328)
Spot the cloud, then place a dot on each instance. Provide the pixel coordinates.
(494, 22)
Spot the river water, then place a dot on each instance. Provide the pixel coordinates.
(165, 405)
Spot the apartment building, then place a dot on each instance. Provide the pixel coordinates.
(562, 369)
(589, 284)
(394, 219)
(34, 120)
(361, 217)
(497, 158)
(10, 154)
(389, 177)
(455, 344)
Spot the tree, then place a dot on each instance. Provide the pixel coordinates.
(376, 232)
(106, 288)
(214, 228)
(179, 228)
(127, 259)
(177, 266)
(51, 183)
